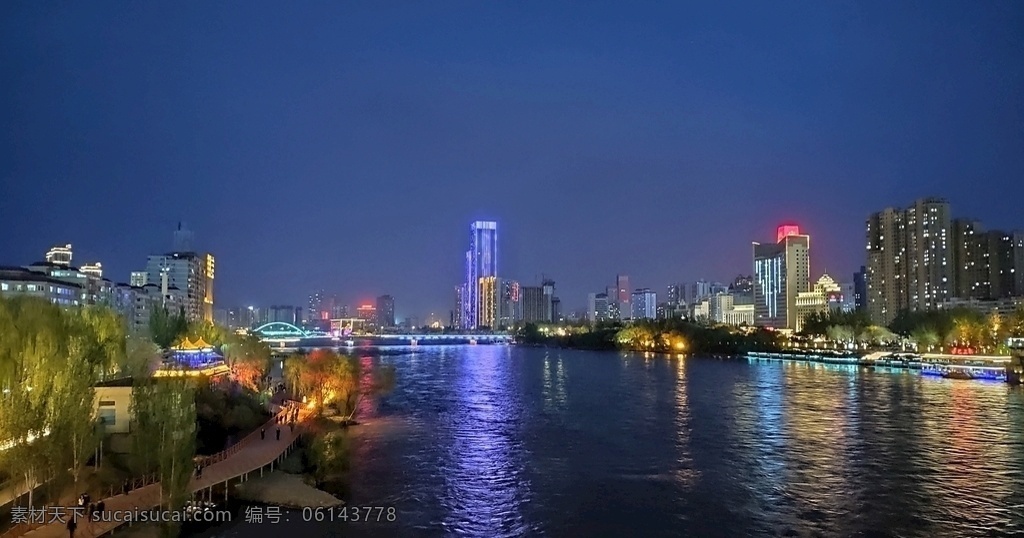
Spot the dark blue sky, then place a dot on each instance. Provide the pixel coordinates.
(348, 145)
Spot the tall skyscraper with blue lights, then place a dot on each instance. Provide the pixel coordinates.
(481, 263)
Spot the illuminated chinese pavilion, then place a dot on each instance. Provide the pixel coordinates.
(197, 354)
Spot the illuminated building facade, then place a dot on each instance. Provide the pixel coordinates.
(781, 272)
(825, 296)
(192, 273)
(987, 262)
(139, 279)
(60, 255)
(911, 258)
(644, 304)
(94, 269)
(21, 281)
(487, 302)
(510, 304)
(367, 313)
(481, 262)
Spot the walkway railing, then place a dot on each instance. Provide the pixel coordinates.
(281, 412)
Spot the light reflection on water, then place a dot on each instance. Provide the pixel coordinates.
(499, 441)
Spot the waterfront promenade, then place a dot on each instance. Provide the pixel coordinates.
(251, 454)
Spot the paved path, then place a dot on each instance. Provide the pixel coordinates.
(251, 454)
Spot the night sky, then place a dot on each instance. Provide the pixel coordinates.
(348, 145)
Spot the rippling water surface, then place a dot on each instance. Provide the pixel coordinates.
(496, 441)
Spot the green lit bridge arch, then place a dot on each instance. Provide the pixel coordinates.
(279, 330)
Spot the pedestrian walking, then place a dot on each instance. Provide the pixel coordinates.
(278, 433)
(89, 511)
(72, 525)
(263, 433)
(100, 506)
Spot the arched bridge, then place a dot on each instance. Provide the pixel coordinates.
(277, 330)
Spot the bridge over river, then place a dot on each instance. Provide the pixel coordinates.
(281, 335)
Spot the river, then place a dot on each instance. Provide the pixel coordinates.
(496, 441)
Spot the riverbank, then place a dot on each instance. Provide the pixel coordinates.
(280, 488)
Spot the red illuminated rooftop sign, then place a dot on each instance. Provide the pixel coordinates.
(787, 230)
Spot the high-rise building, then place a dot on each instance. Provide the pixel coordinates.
(910, 259)
(60, 255)
(535, 304)
(191, 272)
(386, 311)
(550, 301)
(624, 294)
(781, 272)
(481, 262)
(742, 285)
(702, 289)
(1018, 263)
(718, 306)
(284, 314)
(94, 269)
(986, 264)
(458, 313)
(597, 307)
(860, 290)
(487, 302)
(139, 279)
(644, 303)
(510, 305)
(315, 307)
(676, 294)
(368, 313)
(183, 239)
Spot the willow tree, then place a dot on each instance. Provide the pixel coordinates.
(71, 405)
(164, 414)
(34, 355)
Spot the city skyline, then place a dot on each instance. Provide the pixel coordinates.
(353, 159)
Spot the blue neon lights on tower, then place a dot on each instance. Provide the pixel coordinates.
(481, 262)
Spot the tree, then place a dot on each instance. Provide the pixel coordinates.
(249, 360)
(841, 333)
(328, 379)
(331, 456)
(213, 334)
(1015, 325)
(925, 337)
(167, 329)
(164, 412)
(71, 404)
(49, 358)
(138, 358)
